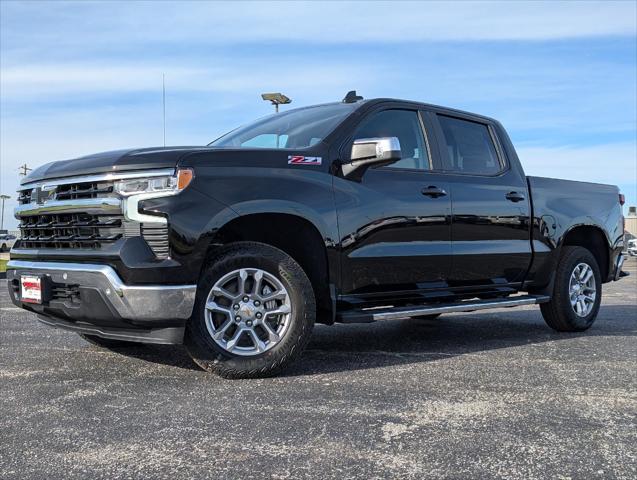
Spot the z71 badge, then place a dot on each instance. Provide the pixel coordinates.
(301, 160)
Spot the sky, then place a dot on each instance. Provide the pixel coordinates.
(83, 77)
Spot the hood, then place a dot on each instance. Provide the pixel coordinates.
(113, 161)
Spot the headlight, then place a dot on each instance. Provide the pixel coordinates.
(170, 184)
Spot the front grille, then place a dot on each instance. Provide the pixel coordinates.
(73, 191)
(69, 191)
(71, 230)
(85, 213)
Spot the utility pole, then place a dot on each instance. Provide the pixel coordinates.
(163, 88)
(3, 197)
(24, 169)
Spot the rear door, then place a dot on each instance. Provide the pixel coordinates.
(490, 203)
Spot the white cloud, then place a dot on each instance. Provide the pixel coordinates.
(30, 81)
(212, 23)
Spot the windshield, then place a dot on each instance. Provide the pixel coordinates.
(298, 128)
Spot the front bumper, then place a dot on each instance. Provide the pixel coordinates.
(92, 299)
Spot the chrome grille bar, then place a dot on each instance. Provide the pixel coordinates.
(104, 177)
(91, 206)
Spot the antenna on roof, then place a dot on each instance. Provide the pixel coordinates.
(351, 97)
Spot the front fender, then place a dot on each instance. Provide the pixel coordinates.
(273, 205)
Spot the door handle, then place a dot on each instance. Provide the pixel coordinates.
(433, 191)
(514, 197)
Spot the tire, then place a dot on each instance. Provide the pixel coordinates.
(3, 247)
(559, 313)
(108, 343)
(245, 359)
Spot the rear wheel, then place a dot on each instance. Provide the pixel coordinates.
(3, 247)
(577, 292)
(254, 312)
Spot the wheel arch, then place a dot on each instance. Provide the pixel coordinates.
(295, 235)
(595, 240)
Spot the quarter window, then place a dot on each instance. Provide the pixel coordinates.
(403, 124)
(468, 147)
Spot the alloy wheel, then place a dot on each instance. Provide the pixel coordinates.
(582, 289)
(248, 311)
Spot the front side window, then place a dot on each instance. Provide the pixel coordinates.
(403, 124)
(468, 147)
(298, 128)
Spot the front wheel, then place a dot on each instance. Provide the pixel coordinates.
(577, 292)
(253, 314)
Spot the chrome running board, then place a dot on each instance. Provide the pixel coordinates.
(368, 315)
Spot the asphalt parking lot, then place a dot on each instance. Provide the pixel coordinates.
(495, 395)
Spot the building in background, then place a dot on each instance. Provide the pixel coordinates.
(631, 223)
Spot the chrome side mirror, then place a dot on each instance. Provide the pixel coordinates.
(371, 152)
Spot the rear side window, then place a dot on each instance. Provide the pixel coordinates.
(468, 147)
(403, 124)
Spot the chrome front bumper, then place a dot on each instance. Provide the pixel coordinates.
(132, 302)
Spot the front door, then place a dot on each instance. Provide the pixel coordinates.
(395, 231)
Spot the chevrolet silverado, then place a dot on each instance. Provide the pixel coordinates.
(353, 211)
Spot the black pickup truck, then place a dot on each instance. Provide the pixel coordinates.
(353, 211)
